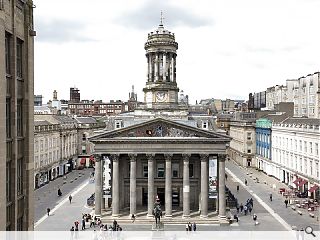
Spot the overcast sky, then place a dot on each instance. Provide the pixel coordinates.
(227, 48)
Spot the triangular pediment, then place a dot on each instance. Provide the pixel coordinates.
(158, 128)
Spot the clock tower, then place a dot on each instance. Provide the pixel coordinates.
(161, 91)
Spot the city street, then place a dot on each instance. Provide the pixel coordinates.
(262, 190)
(47, 197)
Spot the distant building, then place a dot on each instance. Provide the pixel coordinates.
(74, 95)
(257, 101)
(38, 100)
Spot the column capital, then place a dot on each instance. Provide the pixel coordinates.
(115, 157)
(133, 157)
(168, 157)
(204, 157)
(222, 157)
(186, 157)
(98, 157)
(150, 156)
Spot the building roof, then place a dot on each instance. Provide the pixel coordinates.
(302, 121)
(86, 120)
(41, 123)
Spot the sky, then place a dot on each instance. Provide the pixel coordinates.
(227, 48)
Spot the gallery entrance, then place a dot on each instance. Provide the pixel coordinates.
(161, 195)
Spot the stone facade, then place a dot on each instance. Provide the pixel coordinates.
(295, 153)
(16, 118)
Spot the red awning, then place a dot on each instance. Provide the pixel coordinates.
(313, 188)
(302, 182)
(296, 182)
(83, 161)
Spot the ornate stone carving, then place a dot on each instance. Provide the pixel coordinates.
(222, 157)
(133, 157)
(168, 157)
(150, 156)
(115, 157)
(204, 157)
(186, 157)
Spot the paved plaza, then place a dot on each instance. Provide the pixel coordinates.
(65, 214)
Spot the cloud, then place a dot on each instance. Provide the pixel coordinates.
(61, 31)
(145, 17)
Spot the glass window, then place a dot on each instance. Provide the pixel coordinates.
(160, 170)
(145, 170)
(8, 181)
(19, 118)
(19, 58)
(8, 117)
(249, 136)
(175, 170)
(20, 176)
(310, 146)
(7, 53)
(317, 149)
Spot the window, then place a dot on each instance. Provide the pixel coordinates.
(175, 170)
(19, 58)
(249, 136)
(317, 149)
(310, 167)
(160, 170)
(8, 117)
(249, 150)
(305, 146)
(300, 145)
(191, 170)
(20, 224)
(145, 170)
(19, 118)
(20, 176)
(7, 53)
(8, 181)
(317, 170)
(204, 125)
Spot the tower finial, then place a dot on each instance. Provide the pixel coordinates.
(161, 18)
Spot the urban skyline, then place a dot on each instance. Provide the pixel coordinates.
(231, 42)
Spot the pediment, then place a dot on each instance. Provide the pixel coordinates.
(158, 128)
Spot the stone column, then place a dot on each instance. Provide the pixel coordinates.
(168, 185)
(186, 186)
(103, 200)
(164, 66)
(150, 66)
(133, 184)
(156, 69)
(115, 186)
(221, 181)
(98, 186)
(204, 185)
(174, 68)
(171, 67)
(151, 199)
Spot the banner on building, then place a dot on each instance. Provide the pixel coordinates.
(213, 176)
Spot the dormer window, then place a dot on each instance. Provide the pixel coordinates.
(118, 124)
(205, 124)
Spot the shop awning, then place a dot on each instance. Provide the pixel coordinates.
(313, 188)
(296, 182)
(302, 182)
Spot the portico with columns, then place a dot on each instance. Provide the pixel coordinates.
(171, 164)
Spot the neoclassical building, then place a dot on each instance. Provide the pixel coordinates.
(161, 150)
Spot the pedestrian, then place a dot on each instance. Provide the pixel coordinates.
(133, 218)
(238, 208)
(114, 225)
(194, 226)
(226, 176)
(187, 227)
(76, 224)
(72, 228)
(48, 211)
(250, 209)
(59, 192)
(246, 182)
(270, 197)
(238, 188)
(91, 222)
(241, 208)
(286, 202)
(245, 208)
(254, 217)
(70, 199)
(251, 202)
(83, 227)
(235, 217)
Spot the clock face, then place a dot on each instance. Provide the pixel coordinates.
(161, 96)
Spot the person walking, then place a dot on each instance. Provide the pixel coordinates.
(246, 182)
(238, 208)
(187, 227)
(235, 217)
(238, 188)
(241, 208)
(59, 192)
(270, 197)
(48, 211)
(245, 208)
(194, 226)
(83, 225)
(70, 199)
(76, 224)
(133, 218)
(286, 202)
